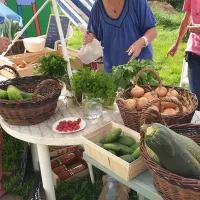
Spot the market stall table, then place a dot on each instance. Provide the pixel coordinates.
(41, 136)
(142, 184)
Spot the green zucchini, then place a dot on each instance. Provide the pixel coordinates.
(136, 154)
(128, 158)
(112, 147)
(113, 136)
(3, 94)
(188, 143)
(126, 140)
(135, 146)
(123, 149)
(13, 93)
(172, 153)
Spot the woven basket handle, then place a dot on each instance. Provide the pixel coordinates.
(45, 83)
(12, 68)
(137, 76)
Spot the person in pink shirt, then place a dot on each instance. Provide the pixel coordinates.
(191, 23)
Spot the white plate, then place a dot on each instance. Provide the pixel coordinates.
(82, 124)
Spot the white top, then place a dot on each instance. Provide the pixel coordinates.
(43, 134)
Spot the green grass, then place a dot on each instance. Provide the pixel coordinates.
(81, 189)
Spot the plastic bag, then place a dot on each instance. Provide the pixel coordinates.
(37, 191)
(113, 190)
(90, 52)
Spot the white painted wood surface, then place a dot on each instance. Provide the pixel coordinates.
(43, 134)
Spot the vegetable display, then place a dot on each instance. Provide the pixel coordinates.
(122, 146)
(174, 152)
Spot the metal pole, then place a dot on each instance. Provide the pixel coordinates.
(64, 47)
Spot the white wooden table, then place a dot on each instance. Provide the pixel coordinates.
(42, 135)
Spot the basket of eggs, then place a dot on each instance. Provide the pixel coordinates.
(133, 100)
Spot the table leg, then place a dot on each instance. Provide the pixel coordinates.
(91, 173)
(46, 172)
(35, 158)
(141, 197)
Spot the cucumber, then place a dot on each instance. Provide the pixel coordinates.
(14, 93)
(136, 154)
(3, 94)
(188, 143)
(128, 158)
(126, 140)
(113, 136)
(99, 144)
(135, 146)
(123, 149)
(172, 153)
(112, 147)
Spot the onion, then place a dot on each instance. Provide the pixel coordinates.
(130, 104)
(150, 95)
(169, 111)
(172, 93)
(137, 91)
(161, 91)
(154, 108)
(141, 102)
(184, 109)
(168, 104)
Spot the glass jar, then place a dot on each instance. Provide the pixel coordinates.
(92, 108)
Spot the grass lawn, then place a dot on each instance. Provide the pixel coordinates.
(82, 189)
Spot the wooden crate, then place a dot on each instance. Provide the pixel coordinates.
(125, 170)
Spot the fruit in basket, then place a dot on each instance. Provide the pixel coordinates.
(161, 91)
(126, 140)
(128, 158)
(173, 154)
(136, 154)
(66, 126)
(154, 108)
(169, 104)
(135, 146)
(27, 95)
(14, 93)
(130, 104)
(123, 149)
(137, 91)
(141, 102)
(3, 94)
(169, 111)
(113, 136)
(150, 96)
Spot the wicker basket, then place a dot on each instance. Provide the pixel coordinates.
(30, 111)
(171, 186)
(131, 119)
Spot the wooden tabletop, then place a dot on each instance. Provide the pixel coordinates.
(43, 134)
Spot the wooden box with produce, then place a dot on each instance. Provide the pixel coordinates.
(117, 148)
(132, 101)
(174, 158)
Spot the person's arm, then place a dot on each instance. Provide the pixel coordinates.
(195, 28)
(186, 21)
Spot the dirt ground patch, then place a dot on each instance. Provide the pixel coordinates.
(157, 5)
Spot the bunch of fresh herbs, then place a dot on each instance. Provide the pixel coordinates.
(100, 84)
(124, 74)
(9, 28)
(55, 66)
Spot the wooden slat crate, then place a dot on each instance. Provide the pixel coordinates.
(125, 170)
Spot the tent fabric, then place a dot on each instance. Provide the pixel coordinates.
(7, 13)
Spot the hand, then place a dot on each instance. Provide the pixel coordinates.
(173, 50)
(195, 28)
(135, 49)
(88, 37)
(4, 43)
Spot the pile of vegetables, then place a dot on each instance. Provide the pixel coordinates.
(13, 93)
(123, 146)
(174, 152)
(139, 98)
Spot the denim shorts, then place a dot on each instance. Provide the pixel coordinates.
(194, 74)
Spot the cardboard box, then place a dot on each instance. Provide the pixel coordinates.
(125, 170)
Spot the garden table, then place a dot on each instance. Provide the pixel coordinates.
(41, 136)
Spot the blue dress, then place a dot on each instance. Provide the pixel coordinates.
(117, 35)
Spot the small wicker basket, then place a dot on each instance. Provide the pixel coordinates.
(171, 186)
(131, 119)
(30, 111)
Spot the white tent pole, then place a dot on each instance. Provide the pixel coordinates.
(63, 42)
(25, 27)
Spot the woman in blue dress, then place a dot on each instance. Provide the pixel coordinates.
(125, 28)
